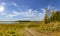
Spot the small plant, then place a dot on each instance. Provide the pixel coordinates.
(15, 35)
(11, 32)
(1, 34)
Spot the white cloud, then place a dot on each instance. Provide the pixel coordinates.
(43, 10)
(50, 7)
(3, 3)
(30, 12)
(25, 19)
(11, 15)
(2, 8)
(14, 13)
(14, 4)
(40, 14)
(3, 13)
(28, 15)
(31, 19)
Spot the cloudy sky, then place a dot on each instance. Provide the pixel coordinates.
(26, 9)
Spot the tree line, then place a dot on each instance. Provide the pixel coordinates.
(55, 16)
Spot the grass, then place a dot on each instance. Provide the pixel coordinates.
(48, 28)
(17, 29)
(11, 30)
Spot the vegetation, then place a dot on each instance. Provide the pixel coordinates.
(55, 16)
(11, 30)
(46, 17)
(16, 29)
(50, 24)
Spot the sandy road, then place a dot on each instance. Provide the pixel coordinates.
(29, 32)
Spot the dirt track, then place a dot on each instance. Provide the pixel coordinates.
(29, 32)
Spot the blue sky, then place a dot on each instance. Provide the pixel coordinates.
(33, 10)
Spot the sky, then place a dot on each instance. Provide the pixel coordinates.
(33, 10)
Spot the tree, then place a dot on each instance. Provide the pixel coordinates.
(53, 16)
(46, 16)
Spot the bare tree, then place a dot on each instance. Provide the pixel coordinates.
(46, 16)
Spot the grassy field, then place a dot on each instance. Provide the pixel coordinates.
(11, 30)
(15, 29)
(50, 28)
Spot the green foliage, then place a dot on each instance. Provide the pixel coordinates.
(45, 20)
(53, 27)
(1, 34)
(30, 26)
(55, 16)
(10, 30)
(58, 16)
(16, 29)
(15, 35)
(46, 16)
